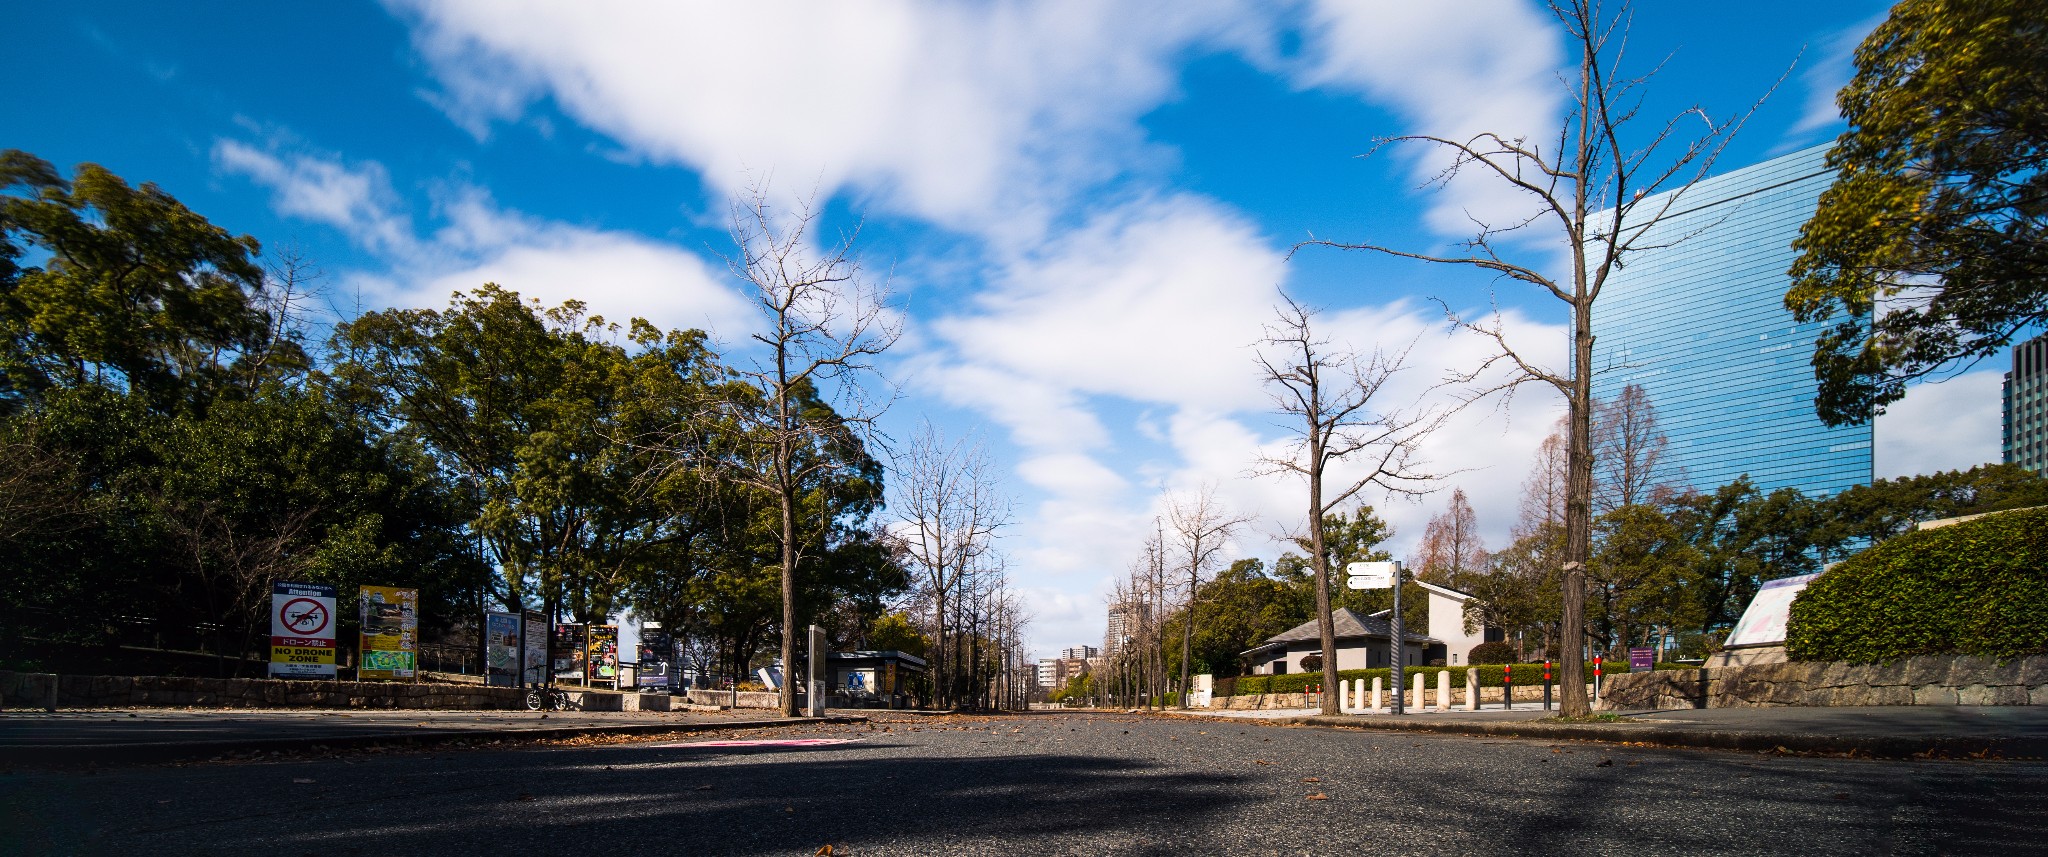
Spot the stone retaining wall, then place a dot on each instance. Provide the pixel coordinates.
(1487, 695)
(34, 690)
(1924, 680)
(747, 698)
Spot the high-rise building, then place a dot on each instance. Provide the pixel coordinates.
(1125, 619)
(1048, 673)
(1700, 324)
(1079, 653)
(2026, 406)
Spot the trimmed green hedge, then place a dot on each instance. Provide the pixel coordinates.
(1489, 676)
(1974, 588)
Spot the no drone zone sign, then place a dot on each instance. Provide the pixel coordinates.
(301, 630)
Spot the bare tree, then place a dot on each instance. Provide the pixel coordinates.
(234, 560)
(823, 323)
(1450, 543)
(291, 283)
(1602, 185)
(1628, 452)
(948, 511)
(1544, 492)
(1328, 395)
(39, 490)
(1201, 527)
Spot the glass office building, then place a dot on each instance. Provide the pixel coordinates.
(2026, 406)
(1702, 326)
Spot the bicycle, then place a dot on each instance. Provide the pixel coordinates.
(547, 697)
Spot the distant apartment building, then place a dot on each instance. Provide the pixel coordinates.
(2026, 406)
(1125, 619)
(1079, 653)
(1699, 322)
(1048, 673)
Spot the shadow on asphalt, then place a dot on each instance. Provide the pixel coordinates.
(664, 800)
(1973, 807)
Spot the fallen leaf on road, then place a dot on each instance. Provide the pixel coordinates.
(525, 796)
(1319, 795)
(1264, 762)
(827, 850)
(1604, 763)
(1320, 779)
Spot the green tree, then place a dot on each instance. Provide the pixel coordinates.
(136, 291)
(1639, 576)
(1518, 590)
(894, 631)
(1241, 607)
(1888, 507)
(534, 413)
(1347, 540)
(1743, 537)
(1931, 247)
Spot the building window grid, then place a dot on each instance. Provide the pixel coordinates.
(1703, 328)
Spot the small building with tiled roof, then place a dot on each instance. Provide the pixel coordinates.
(1363, 642)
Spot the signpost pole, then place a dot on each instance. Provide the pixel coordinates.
(1398, 642)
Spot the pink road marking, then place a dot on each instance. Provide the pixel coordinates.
(763, 742)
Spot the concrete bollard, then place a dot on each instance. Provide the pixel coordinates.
(1421, 696)
(1471, 690)
(1357, 693)
(1376, 689)
(1443, 690)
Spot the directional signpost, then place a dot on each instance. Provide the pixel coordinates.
(1386, 575)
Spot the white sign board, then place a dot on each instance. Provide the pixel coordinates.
(1763, 624)
(302, 628)
(1371, 575)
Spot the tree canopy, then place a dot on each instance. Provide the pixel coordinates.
(169, 448)
(1931, 247)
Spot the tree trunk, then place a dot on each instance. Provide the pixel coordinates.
(1578, 512)
(787, 700)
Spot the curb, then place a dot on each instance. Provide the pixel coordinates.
(1873, 746)
(171, 751)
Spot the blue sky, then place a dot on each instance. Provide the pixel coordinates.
(1083, 207)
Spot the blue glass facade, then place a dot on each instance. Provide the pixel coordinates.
(1702, 326)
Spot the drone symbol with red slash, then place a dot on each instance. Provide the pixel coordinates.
(304, 616)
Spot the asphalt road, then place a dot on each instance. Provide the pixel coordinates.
(1039, 784)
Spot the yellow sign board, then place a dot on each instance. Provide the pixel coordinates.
(391, 627)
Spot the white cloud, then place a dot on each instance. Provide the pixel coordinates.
(979, 116)
(618, 275)
(1007, 121)
(1828, 73)
(1450, 70)
(1157, 301)
(1951, 425)
(354, 198)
